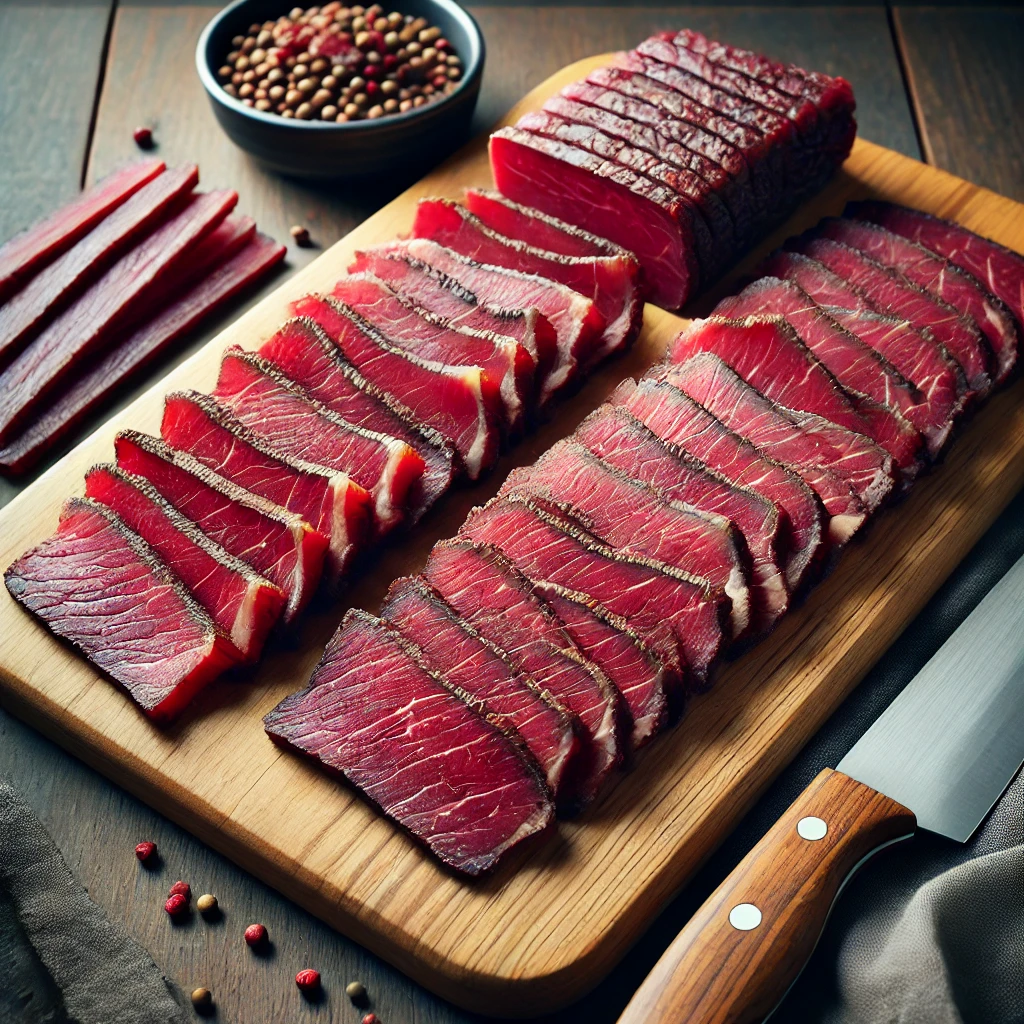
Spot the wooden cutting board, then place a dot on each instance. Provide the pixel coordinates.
(545, 929)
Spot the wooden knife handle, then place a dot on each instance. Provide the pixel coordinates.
(739, 954)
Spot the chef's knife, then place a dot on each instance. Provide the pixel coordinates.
(944, 751)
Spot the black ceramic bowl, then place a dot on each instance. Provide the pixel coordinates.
(395, 145)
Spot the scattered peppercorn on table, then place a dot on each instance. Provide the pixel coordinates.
(98, 110)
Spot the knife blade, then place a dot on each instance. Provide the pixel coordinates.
(938, 757)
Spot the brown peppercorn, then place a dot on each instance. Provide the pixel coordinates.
(275, 75)
(301, 236)
(300, 70)
(395, 19)
(231, 90)
(306, 85)
(329, 82)
(391, 40)
(341, 118)
(276, 93)
(202, 999)
(357, 83)
(329, 112)
(360, 99)
(358, 24)
(419, 101)
(233, 56)
(428, 90)
(287, 112)
(319, 66)
(236, 78)
(455, 73)
(249, 76)
(405, 105)
(236, 41)
(207, 903)
(351, 110)
(246, 89)
(257, 56)
(356, 991)
(375, 112)
(428, 35)
(264, 105)
(304, 111)
(408, 34)
(248, 45)
(242, 64)
(248, 101)
(261, 69)
(293, 97)
(265, 38)
(389, 87)
(381, 25)
(390, 106)
(225, 72)
(320, 98)
(429, 55)
(413, 49)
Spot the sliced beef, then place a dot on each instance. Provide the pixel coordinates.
(225, 271)
(329, 500)
(278, 544)
(672, 111)
(304, 352)
(575, 318)
(243, 604)
(621, 440)
(634, 518)
(450, 399)
(539, 229)
(447, 774)
(31, 250)
(861, 369)
(102, 588)
(636, 671)
(508, 368)
(85, 327)
(676, 613)
(694, 172)
(54, 287)
(707, 219)
(606, 199)
(996, 267)
(294, 423)
(938, 276)
(915, 354)
(611, 281)
(769, 355)
(674, 417)
(452, 648)
(888, 291)
(499, 602)
(830, 459)
(459, 305)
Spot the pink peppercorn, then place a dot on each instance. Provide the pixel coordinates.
(256, 934)
(176, 904)
(370, 1018)
(143, 137)
(308, 980)
(181, 889)
(144, 851)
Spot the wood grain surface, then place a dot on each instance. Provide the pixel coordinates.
(716, 973)
(540, 932)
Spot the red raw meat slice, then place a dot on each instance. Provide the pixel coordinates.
(999, 269)
(230, 258)
(769, 355)
(674, 417)
(620, 653)
(24, 315)
(305, 353)
(486, 590)
(672, 112)
(450, 399)
(537, 228)
(811, 446)
(53, 288)
(330, 501)
(30, 251)
(294, 423)
(939, 277)
(508, 368)
(444, 296)
(813, 149)
(610, 281)
(102, 588)
(661, 128)
(243, 604)
(701, 211)
(559, 179)
(677, 155)
(623, 441)
(373, 714)
(474, 666)
(650, 595)
(574, 317)
(915, 354)
(887, 291)
(278, 544)
(778, 132)
(635, 519)
(862, 370)
(87, 324)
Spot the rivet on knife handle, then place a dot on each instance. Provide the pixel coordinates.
(738, 955)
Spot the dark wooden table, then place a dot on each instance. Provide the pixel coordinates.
(942, 84)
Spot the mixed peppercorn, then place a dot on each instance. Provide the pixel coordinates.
(338, 63)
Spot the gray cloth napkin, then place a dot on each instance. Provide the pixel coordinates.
(61, 960)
